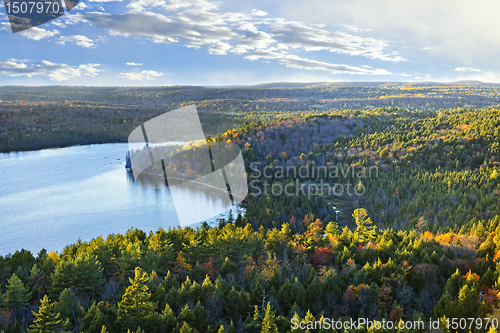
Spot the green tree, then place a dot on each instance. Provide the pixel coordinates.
(97, 317)
(136, 307)
(46, 321)
(168, 318)
(17, 294)
(364, 225)
(68, 306)
(83, 273)
(332, 228)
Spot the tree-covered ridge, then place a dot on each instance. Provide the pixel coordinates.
(47, 117)
(246, 280)
(439, 166)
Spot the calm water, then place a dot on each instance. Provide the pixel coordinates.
(50, 198)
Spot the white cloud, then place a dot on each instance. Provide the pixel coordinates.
(254, 40)
(295, 61)
(5, 26)
(70, 19)
(139, 76)
(56, 72)
(199, 23)
(133, 64)
(38, 33)
(82, 6)
(298, 35)
(77, 40)
(219, 48)
(454, 31)
(138, 6)
(162, 29)
(257, 12)
(467, 69)
(356, 29)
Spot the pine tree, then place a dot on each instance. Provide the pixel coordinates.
(185, 328)
(84, 273)
(96, 318)
(68, 306)
(136, 307)
(168, 318)
(364, 227)
(254, 324)
(45, 319)
(17, 294)
(268, 324)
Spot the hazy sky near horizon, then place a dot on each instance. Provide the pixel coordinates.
(205, 42)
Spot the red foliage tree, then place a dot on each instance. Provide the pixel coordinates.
(210, 267)
(322, 256)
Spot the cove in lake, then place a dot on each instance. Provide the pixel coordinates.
(51, 198)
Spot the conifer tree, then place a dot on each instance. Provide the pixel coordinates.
(96, 318)
(17, 294)
(168, 318)
(136, 307)
(46, 321)
(364, 227)
(268, 323)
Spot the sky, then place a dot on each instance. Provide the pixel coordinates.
(204, 42)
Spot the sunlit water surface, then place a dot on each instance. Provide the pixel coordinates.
(53, 197)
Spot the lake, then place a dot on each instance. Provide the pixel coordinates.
(51, 198)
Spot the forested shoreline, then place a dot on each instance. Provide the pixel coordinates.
(422, 241)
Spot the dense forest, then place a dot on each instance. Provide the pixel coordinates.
(417, 240)
(47, 117)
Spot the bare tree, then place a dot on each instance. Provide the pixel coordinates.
(214, 305)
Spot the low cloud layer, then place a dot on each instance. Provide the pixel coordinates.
(56, 72)
(77, 40)
(140, 76)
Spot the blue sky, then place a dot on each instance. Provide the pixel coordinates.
(204, 42)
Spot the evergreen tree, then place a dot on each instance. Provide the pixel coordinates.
(364, 225)
(136, 307)
(68, 306)
(45, 320)
(168, 318)
(268, 323)
(17, 294)
(97, 317)
(84, 273)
